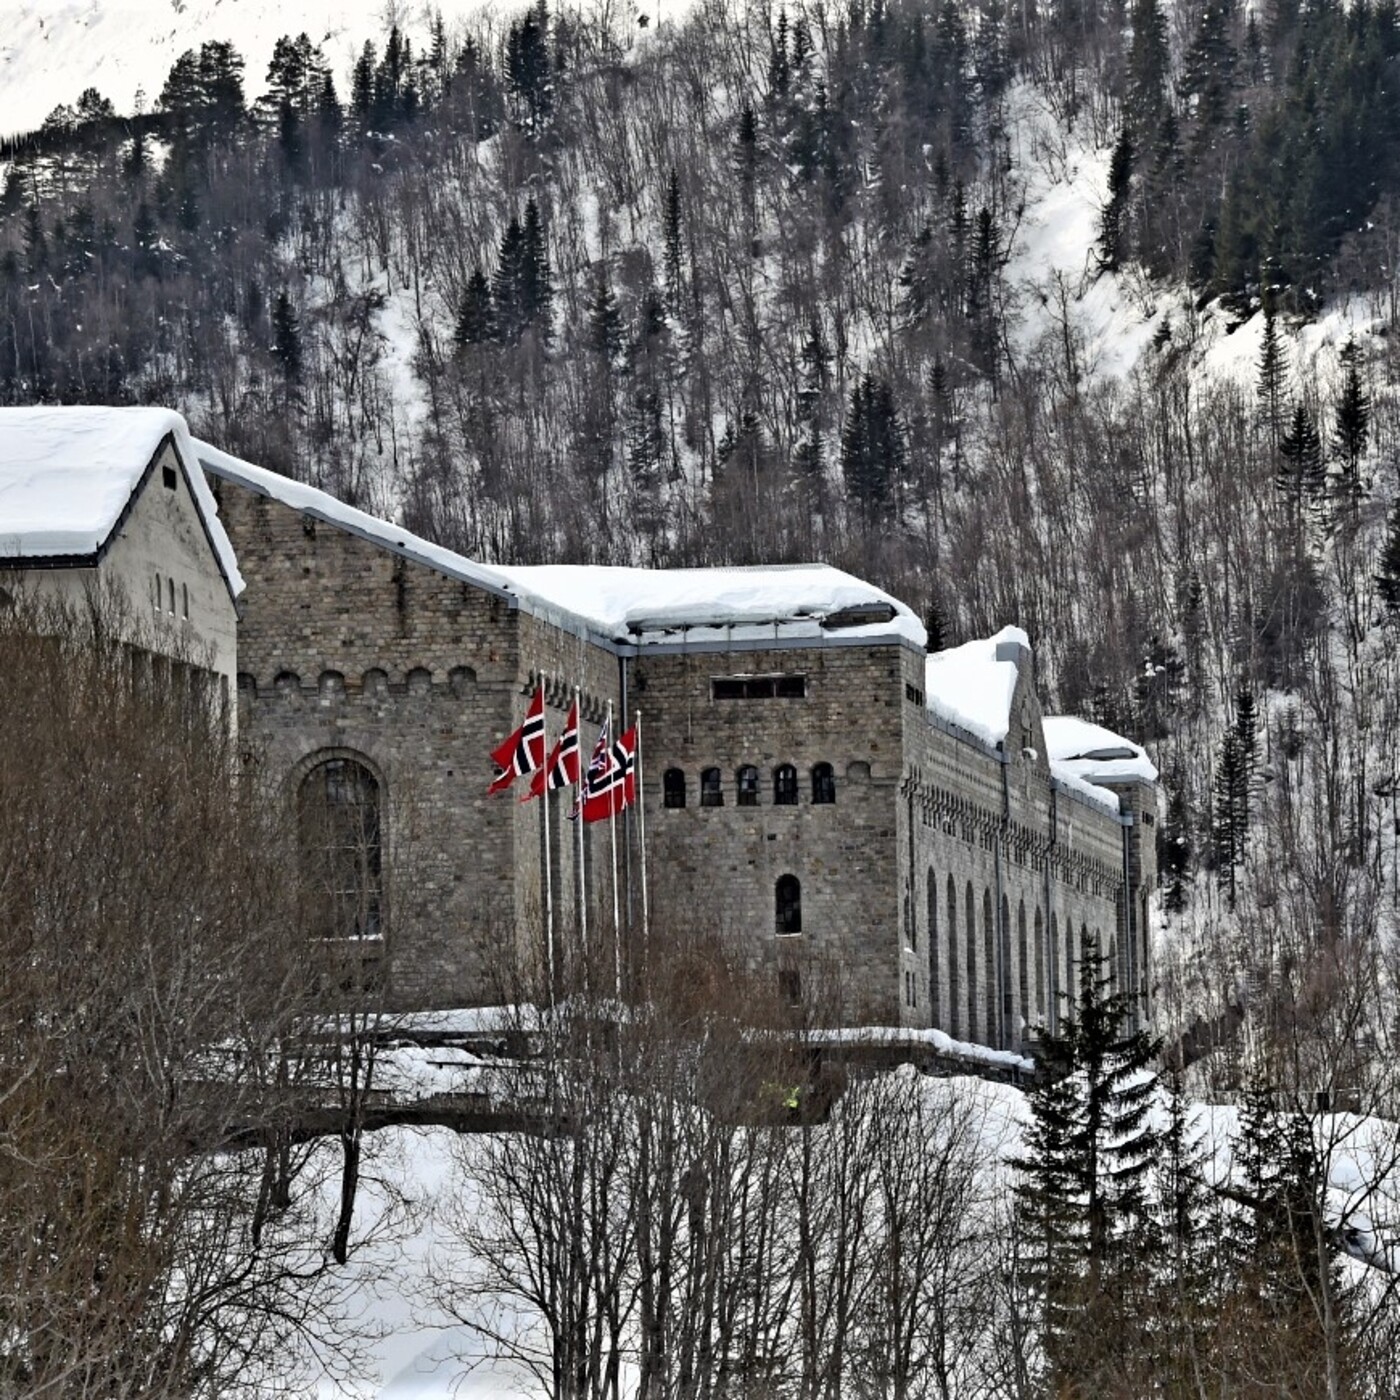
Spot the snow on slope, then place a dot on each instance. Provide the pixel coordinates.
(50, 50)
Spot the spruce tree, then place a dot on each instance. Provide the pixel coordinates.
(1112, 221)
(1174, 851)
(605, 328)
(1082, 1200)
(673, 243)
(1351, 430)
(507, 285)
(1273, 376)
(1387, 576)
(1302, 475)
(476, 316)
(536, 280)
(1230, 814)
(286, 338)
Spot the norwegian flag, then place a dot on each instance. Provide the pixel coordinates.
(598, 768)
(562, 769)
(616, 787)
(523, 752)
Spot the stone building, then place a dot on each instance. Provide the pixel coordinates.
(111, 503)
(897, 838)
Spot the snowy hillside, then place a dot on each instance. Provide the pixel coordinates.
(51, 50)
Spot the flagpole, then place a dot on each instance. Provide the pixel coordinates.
(548, 882)
(617, 912)
(642, 833)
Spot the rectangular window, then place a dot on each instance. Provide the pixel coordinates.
(758, 687)
(913, 694)
(167, 475)
(185, 599)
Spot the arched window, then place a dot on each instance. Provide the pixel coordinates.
(711, 788)
(823, 785)
(1008, 1001)
(339, 822)
(1024, 967)
(970, 937)
(785, 785)
(1039, 964)
(1054, 991)
(954, 986)
(989, 977)
(170, 587)
(788, 904)
(673, 788)
(748, 786)
(934, 988)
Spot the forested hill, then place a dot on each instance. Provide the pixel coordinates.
(1073, 316)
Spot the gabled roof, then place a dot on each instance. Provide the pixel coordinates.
(68, 477)
(625, 608)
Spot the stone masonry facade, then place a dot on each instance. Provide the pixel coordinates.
(875, 860)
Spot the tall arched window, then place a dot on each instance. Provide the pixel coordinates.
(785, 785)
(787, 904)
(711, 788)
(954, 986)
(989, 953)
(673, 787)
(935, 989)
(1039, 964)
(970, 937)
(748, 786)
(1023, 968)
(1053, 990)
(339, 821)
(823, 785)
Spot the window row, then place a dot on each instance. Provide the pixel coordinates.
(786, 786)
(163, 597)
(1028, 981)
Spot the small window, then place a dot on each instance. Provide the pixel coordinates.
(758, 687)
(170, 594)
(785, 785)
(748, 786)
(673, 788)
(791, 687)
(823, 785)
(711, 788)
(788, 905)
(167, 475)
(158, 594)
(185, 600)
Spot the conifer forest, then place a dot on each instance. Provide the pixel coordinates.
(771, 281)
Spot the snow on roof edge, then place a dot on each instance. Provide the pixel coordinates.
(608, 611)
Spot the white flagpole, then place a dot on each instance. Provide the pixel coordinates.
(642, 833)
(548, 877)
(578, 821)
(617, 911)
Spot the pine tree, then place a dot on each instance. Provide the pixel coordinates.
(779, 68)
(1115, 212)
(362, 87)
(1351, 430)
(1230, 816)
(536, 279)
(1273, 376)
(286, 338)
(1186, 1282)
(1387, 576)
(1174, 851)
(476, 317)
(1247, 725)
(872, 447)
(506, 286)
(1149, 69)
(1082, 1199)
(138, 159)
(673, 242)
(1302, 476)
(605, 328)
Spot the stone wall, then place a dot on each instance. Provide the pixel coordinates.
(717, 868)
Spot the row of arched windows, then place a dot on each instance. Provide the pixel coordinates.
(953, 979)
(747, 785)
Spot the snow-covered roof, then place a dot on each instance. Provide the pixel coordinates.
(67, 475)
(1095, 754)
(630, 607)
(971, 688)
